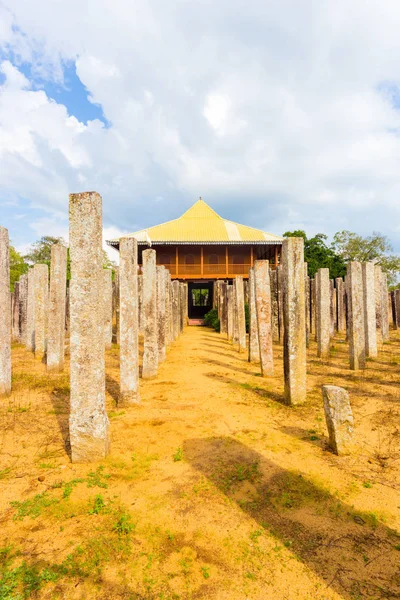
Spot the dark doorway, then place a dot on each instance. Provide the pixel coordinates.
(200, 299)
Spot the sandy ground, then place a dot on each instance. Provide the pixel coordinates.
(213, 488)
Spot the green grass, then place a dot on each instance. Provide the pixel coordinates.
(178, 455)
(98, 478)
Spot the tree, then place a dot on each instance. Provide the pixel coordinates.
(17, 266)
(376, 248)
(319, 255)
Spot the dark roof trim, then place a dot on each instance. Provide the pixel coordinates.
(237, 243)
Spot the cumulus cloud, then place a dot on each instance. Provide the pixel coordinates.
(281, 115)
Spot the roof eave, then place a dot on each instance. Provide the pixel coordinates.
(115, 243)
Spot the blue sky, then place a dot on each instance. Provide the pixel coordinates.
(277, 123)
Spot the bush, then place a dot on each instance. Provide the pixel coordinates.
(211, 319)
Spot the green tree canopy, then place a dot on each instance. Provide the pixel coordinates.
(17, 266)
(319, 255)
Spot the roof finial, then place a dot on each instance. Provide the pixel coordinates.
(200, 198)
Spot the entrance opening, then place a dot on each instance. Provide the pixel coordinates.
(200, 299)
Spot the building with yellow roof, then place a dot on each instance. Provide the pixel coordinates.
(201, 247)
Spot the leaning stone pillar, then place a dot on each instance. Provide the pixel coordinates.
(223, 308)
(230, 312)
(368, 278)
(30, 312)
(16, 334)
(341, 309)
(323, 313)
(175, 308)
(240, 314)
(339, 418)
(23, 299)
(263, 312)
(107, 300)
(56, 324)
(128, 322)
(41, 284)
(385, 308)
(150, 348)
(254, 350)
(161, 315)
(89, 426)
(5, 314)
(294, 347)
(355, 307)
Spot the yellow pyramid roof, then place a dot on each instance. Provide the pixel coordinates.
(201, 224)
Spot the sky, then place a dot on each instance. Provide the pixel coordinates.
(280, 115)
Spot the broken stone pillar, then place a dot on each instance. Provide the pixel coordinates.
(107, 300)
(5, 314)
(307, 302)
(150, 347)
(294, 346)
(385, 308)
(341, 309)
(41, 291)
(30, 312)
(88, 421)
(368, 278)
(23, 300)
(161, 315)
(332, 306)
(240, 314)
(223, 308)
(254, 350)
(339, 418)
(230, 312)
(263, 312)
(323, 297)
(16, 335)
(279, 289)
(176, 308)
(128, 321)
(116, 305)
(56, 315)
(273, 277)
(355, 305)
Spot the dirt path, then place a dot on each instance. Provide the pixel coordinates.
(213, 489)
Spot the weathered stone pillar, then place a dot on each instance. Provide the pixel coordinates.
(339, 418)
(263, 312)
(332, 307)
(140, 300)
(393, 308)
(150, 348)
(341, 309)
(56, 315)
(168, 307)
(235, 329)
(294, 320)
(323, 296)
(107, 299)
(161, 314)
(116, 305)
(30, 312)
(67, 311)
(279, 288)
(5, 314)
(23, 300)
(246, 291)
(254, 350)
(378, 303)
(307, 302)
(356, 315)
(230, 312)
(368, 278)
(385, 308)
(182, 303)
(176, 308)
(273, 278)
(240, 314)
(312, 307)
(223, 308)
(16, 334)
(41, 286)
(397, 306)
(128, 321)
(89, 426)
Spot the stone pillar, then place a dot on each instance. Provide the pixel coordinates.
(254, 350)
(356, 315)
(339, 418)
(397, 307)
(246, 291)
(140, 300)
(30, 312)
(116, 304)
(378, 303)
(312, 306)
(5, 314)
(294, 319)
(168, 307)
(67, 311)
(230, 311)
(223, 308)
(23, 300)
(307, 302)
(56, 315)
(368, 278)
(128, 321)
(263, 312)
(89, 426)
(182, 304)
(240, 314)
(16, 334)
(107, 303)
(323, 296)
(273, 277)
(332, 307)
(175, 308)
(41, 291)
(235, 330)
(279, 288)
(316, 291)
(393, 308)
(341, 309)
(150, 348)
(385, 308)
(161, 314)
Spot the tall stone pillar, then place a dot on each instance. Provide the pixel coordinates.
(273, 276)
(223, 308)
(341, 309)
(307, 303)
(368, 278)
(41, 287)
(240, 314)
(254, 350)
(332, 307)
(23, 300)
(30, 312)
(107, 300)
(176, 308)
(56, 315)
(355, 306)
(378, 303)
(5, 314)
(150, 348)
(161, 314)
(116, 305)
(279, 288)
(316, 302)
(312, 307)
(67, 311)
(140, 299)
(294, 347)
(168, 308)
(128, 321)
(393, 309)
(230, 312)
(263, 312)
(89, 425)
(16, 334)
(182, 304)
(397, 307)
(385, 308)
(323, 313)
(235, 329)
